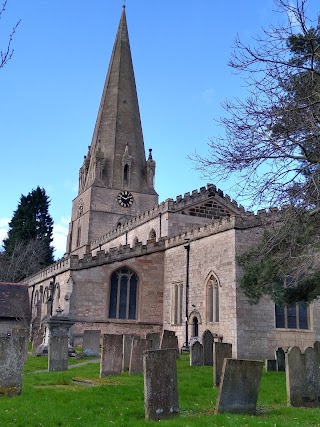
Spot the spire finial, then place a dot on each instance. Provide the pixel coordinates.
(124, 4)
(150, 154)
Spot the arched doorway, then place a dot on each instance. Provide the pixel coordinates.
(195, 327)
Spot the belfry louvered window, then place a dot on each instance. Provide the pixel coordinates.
(123, 294)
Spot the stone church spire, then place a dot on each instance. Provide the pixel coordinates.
(116, 181)
(118, 126)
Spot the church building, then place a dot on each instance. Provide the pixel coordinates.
(135, 266)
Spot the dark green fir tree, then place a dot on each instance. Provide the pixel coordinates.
(28, 245)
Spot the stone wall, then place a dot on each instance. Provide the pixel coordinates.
(211, 254)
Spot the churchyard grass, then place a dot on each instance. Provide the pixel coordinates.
(55, 399)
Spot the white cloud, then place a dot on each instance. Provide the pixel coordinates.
(60, 233)
(208, 95)
(4, 225)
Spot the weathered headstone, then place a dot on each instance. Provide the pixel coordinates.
(153, 339)
(303, 377)
(196, 354)
(168, 340)
(58, 343)
(111, 355)
(281, 359)
(240, 383)
(12, 351)
(126, 352)
(17, 332)
(221, 351)
(138, 346)
(37, 340)
(316, 347)
(270, 365)
(207, 342)
(160, 384)
(91, 342)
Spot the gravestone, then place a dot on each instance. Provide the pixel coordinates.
(168, 340)
(316, 347)
(126, 353)
(111, 355)
(17, 332)
(91, 342)
(138, 346)
(196, 354)
(37, 340)
(221, 351)
(59, 327)
(12, 357)
(160, 384)
(303, 377)
(153, 339)
(240, 383)
(281, 359)
(270, 365)
(207, 342)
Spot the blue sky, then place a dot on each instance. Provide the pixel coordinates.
(51, 89)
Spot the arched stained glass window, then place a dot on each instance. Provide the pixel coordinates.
(123, 294)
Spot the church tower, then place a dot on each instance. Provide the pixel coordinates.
(116, 182)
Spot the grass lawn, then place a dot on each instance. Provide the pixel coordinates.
(78, 398)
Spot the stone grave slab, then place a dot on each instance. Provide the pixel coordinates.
(91, 342)
(303, 377)
(239, 388)
(196, 354)
(161, 399)
(221, 351)
(154, 339)
(138, 346)
(12, 357)
(281, 359)
(270, 365)
(111, 355)
(207, 342)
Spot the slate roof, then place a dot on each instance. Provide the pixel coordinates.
(14, 301)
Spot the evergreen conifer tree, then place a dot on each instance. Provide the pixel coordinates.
(28, 245)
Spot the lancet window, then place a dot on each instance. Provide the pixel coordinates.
(212, 299)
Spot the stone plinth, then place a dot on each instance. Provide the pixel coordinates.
(160, 384)
(58, 342)
(111, 355)
(91, 342)
(12, 357)
(240, 383)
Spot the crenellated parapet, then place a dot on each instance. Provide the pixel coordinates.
(123, 252)
(184, 205)
(58, 267)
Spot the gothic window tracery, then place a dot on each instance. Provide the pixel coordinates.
(123, 294)
(212, 299)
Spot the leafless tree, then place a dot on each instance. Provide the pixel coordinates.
(271, 146)
(6, 54)
(25, 260)
(271, 140)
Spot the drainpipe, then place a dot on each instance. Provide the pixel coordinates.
(185, 348)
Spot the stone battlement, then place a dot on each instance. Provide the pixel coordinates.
(126, 251)
(170, 205)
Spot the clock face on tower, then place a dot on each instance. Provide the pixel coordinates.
(125, 199)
